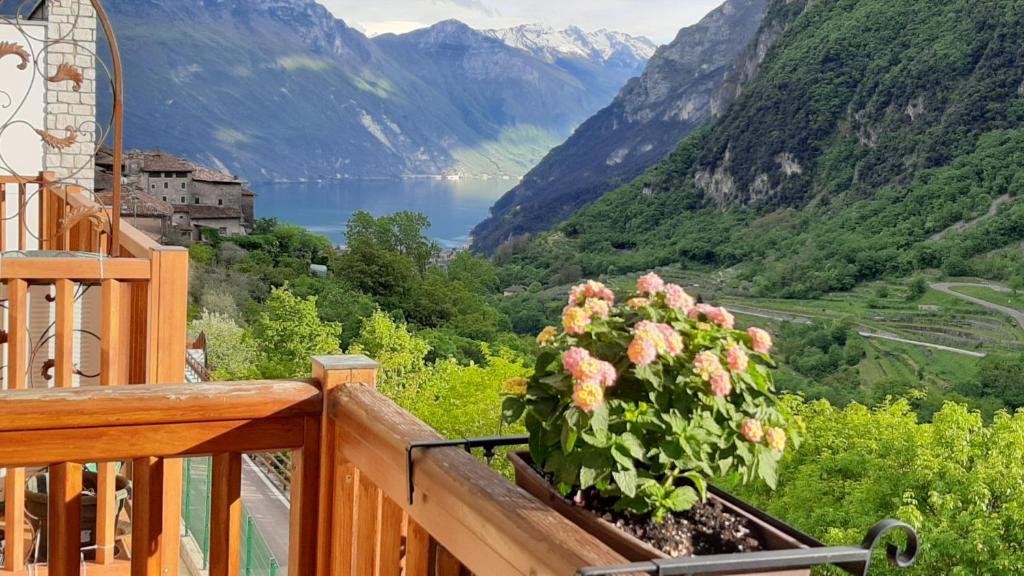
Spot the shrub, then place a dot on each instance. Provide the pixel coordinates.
(644, 402)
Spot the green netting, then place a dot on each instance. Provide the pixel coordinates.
(257, 559)
(195, 503)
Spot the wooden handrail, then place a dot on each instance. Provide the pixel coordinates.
(491, 526)
(112, 406)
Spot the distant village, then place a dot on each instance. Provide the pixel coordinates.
(169, 198)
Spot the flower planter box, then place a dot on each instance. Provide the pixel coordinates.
(773, 534)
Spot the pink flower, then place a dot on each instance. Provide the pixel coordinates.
(719, 316)
(699, 310)
(650, 284)
(642, 350)
(776, 438)
(575, 320)
(752, 431)
(722, 317)
(762, 340)
(596, 307)
(589, 370)
(607, 375)
(721, 384)
(637, 303)
(573, 358)
(673, 340)
(588, 396)
(677, 298)
(576, 294)
(737, 359)
(706, 364)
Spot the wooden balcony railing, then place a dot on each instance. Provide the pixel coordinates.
(139, 322)
(350, 512)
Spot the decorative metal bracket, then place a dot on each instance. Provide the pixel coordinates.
(487, 443)
(854, 560)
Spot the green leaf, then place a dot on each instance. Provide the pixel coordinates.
(599, 420)
(568, 436)
(626, 481)
(699, 483)
(632, 445)
(512, 408)
(621, 455)
(682, 499)
(767, 470)
(588, 476)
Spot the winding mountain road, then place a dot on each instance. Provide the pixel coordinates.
(862, 330)
(947, 288)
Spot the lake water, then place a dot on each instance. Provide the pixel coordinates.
(454, 207)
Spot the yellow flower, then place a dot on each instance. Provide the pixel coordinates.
(575, 320)
(547, 335)
(515, 386)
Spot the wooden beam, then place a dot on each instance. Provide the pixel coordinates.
(367, 527)
(391, 521)
(147, 516)
(112, 406)
(112, 372)
(17, 368)
(167, 313)
(305, 494)
(77, 269)
(226, 515)
(40, 447)
(417, 557)
(492, 526)
(338, 482)
(64, 526)
(65, 511)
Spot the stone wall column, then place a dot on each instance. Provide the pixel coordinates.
(72, 40)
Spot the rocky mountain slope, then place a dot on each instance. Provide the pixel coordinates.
(281, 89)
(854, 145)
(677, 92)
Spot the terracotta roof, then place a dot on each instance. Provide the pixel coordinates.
(161, 162)
(200, 212)
(137, 203)
(203, 174)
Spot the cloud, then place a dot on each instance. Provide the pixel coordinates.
(474, 5)
(659, 20)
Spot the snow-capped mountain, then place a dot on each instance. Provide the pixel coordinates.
(601, 45)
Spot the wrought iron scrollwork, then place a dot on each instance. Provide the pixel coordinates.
(31, 53)
(901, 558)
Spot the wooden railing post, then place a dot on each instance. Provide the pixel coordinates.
(338, 479)
(65, 483)
(167, 315)
(17, 366)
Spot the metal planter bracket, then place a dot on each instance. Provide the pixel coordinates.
(852, 559)
(487, 443)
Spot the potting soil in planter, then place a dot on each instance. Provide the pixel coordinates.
(703, 530)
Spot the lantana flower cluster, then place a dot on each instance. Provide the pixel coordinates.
(644, 402)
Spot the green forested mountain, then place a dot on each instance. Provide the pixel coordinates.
(875, 138)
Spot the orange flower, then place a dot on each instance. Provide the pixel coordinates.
(588, 396)
(575, 320)
(776, 438)
(547, 335)
(752, 431)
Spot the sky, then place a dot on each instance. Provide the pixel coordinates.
(659, 20)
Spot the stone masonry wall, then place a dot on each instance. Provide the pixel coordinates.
(72, 36)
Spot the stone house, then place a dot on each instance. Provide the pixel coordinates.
(199, 198)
